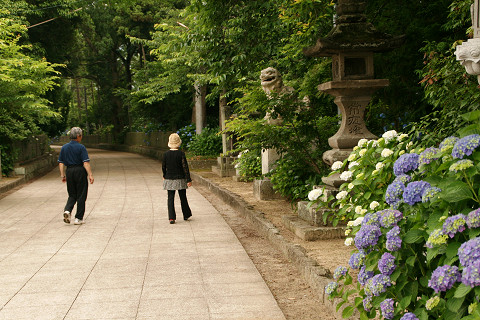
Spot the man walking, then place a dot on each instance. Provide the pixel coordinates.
(74, 157)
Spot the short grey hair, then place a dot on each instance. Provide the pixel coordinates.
(75, 132)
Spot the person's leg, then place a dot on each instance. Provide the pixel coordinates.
(171, 206)
(71, 189)
(82, 191)
(187, 213)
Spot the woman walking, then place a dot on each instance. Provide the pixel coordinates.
(176, 176)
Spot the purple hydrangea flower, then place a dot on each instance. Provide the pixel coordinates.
(364, 275)
(448, 143)
(339, 272)
(367, 303)
(394, 192)
(367, 236)
(428, 155)
(331, 287)
(357, 260)
(444, 277)
(413, 192)
(403, 178)
(430, 193)
(469, 252)
(471, 274)
(394, 242)
(371, 219)
(390, 217)
(387, 307)
(377, 285)
(473, 219)
(405, 163)
(465, 146)
(454, 224)
(386, 264)
(409, 316)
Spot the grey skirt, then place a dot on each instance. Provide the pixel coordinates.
(174, 184)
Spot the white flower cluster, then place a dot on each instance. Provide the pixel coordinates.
(346, 175)
(349, 241)
(360, 210)
(337, 165)
(315, 194)
(374, 205)
(352, 164)
(390, 135)
(355, 222)
(386, 153)
(341, 195)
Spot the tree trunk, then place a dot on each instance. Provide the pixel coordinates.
(199, 107)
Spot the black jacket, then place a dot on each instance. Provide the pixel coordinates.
(175, 166)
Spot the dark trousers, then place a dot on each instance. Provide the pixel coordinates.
(183, 201)
(77, 187)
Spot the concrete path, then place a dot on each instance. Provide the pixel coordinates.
(126, 261)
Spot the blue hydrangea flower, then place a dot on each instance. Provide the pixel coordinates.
(331, 287)
(469, 252)
(454, 224)
(409, 316)
(367, 236)
(444, 277)
(367, 303)
(473, 219)
(430, 193)
(471, 274)
(405, 163)
(357, 260)
(465, 146)
(413, 192)
(387, 307)
(386, 264)
(394, 242)
(428, 155)
(394, 192)
(448, 143)
(390, 217)
(372, 219)
(364, 275)
(339, 272)
(377, 285)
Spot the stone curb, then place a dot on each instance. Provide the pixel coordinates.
(316, 276)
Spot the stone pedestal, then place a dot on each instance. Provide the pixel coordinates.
(224, 167)
(263, 190)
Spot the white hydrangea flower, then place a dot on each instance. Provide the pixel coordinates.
(347, 232)
(374, 143)
(357, 221)
(349, 241)
(390, 135)
(315, 194)
(409, 145)
(362, 152)
(341, 195)
(374, 172)
(362, 142)
(379, 165)
(363, 211)
(355, 148)
(350, 223)
(402, 137)
(346, 175)
(374, 205)
(350, 186)
(358, 209)
(401, 152)
(337, 165)
(360, 175)
(352, 157)
(386, 153)
(352, 164)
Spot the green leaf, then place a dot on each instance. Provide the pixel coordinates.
(339, 305)
(452, 250)
(405, 302)
(347, 312)
(411, 261)
(454, 304)
(471, 116)
(456, 191)
(414, 235)
(462, 291)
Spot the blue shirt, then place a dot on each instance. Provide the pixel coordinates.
(73, 153)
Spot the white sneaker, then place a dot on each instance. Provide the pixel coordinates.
(78, 221)
(66, 216)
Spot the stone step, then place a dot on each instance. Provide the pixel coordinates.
(225, 172)
(307, 232)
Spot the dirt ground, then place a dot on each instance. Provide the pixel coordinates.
(293, 295)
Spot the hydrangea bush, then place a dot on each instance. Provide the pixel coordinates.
(414, 222)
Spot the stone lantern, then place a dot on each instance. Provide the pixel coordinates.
(468, 53)
(351, 45)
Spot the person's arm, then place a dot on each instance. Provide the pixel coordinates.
(186, 170)
(87, 167)
(61, 166)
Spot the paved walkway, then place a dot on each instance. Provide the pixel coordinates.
(126, 261)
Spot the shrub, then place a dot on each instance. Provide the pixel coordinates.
(187, 133)
(249, 164)
(208, 143)
(415, 224)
